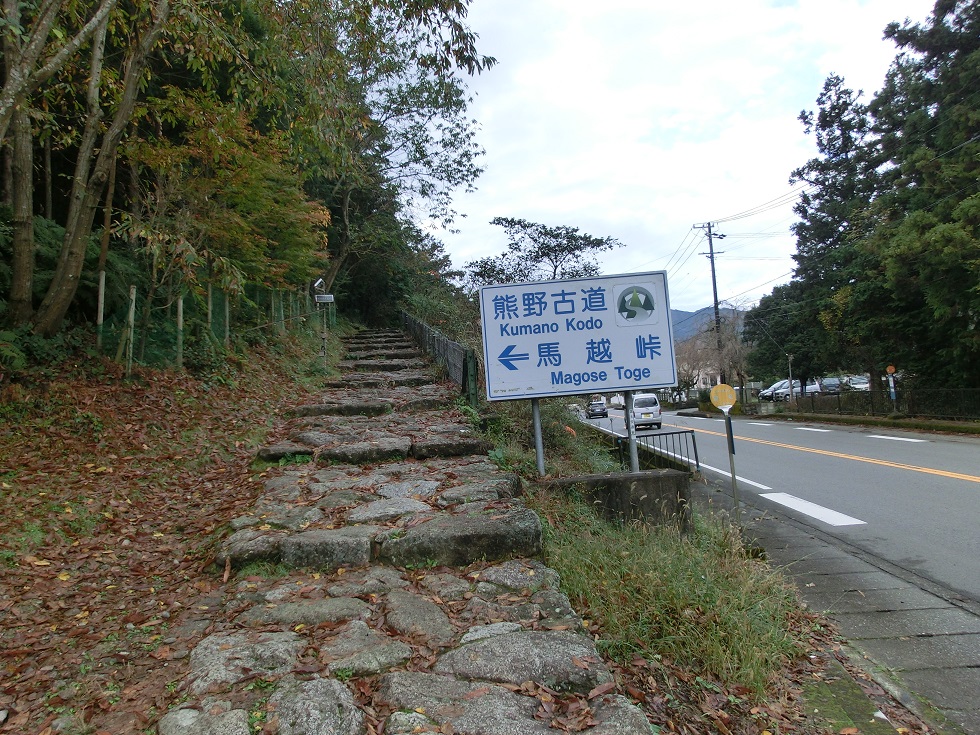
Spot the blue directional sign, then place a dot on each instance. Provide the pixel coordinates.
(508, 357)
(583, 335)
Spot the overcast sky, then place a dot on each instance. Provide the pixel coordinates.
(637, 119)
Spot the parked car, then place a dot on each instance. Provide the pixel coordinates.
(766, 393)
(782, 394)
(831, 385)
(596, 410)
(812, 387)
(858, 382)
(646, 411)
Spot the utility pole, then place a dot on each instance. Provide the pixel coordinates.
(714, 290)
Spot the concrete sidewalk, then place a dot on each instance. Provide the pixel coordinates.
(918, 641)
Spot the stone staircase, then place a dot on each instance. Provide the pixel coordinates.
(407, 596)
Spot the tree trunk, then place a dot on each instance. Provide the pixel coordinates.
(6, 154)
(48, 180)
(338, 259)
(21, 306)
(87, 188)
(25, 45)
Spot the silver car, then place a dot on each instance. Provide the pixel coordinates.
(646, 411)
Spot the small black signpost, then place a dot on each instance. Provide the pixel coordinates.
(329, 318)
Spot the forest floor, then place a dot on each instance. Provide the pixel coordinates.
(111, 491)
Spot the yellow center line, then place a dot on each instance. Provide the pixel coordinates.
(839, 455)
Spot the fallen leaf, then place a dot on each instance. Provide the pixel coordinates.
(602, 689)
(476, 693)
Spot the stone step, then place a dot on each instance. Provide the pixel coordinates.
(384, 353)
(369, 407)
(359, 438)
(382, 365)
(395, 378)
(496, 649)
(394, 585)
(331, 518)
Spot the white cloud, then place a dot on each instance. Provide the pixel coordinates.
(639, 118)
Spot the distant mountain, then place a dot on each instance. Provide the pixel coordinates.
(688, 323)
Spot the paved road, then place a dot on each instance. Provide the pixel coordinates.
(881, 532)
(912, 499)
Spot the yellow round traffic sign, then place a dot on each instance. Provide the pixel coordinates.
(723, 396)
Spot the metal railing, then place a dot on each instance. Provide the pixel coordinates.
(676, 449)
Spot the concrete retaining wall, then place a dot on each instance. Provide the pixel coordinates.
(657, 497)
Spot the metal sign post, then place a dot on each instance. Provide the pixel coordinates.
(723, 397)
(538, 439)
(631, 430)
(327, 300)
(890, 370)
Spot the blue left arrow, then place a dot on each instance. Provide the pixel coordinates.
(508, 357)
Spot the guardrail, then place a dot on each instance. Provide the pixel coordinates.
(673, 449)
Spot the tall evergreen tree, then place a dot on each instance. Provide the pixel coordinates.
(928, 222)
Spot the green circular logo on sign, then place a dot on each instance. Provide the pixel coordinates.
(636, 304)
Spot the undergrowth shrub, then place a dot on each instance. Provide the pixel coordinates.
(698, 600)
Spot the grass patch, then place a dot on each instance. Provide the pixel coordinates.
(264, 570)
(698, 600)
(701, 602)
(568, 450)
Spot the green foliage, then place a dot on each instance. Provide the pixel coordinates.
(538, 252)
(295, 459)
(699, 600)
(254, 125)
(570, 448)
(32, 356)
(264, 569)
(12, 357)
(402, 267)
(888, 242)
(122, 269)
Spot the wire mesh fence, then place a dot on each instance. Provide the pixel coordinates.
(459, 361)
(195, 330)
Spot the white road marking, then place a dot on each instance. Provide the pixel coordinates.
(807, 428)
(759, 423)
(828, 516)
(753, 483)
(895, 438)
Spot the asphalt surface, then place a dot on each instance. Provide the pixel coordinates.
(922, 647)
(910, 498)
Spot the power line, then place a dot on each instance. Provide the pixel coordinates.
(776, 203)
